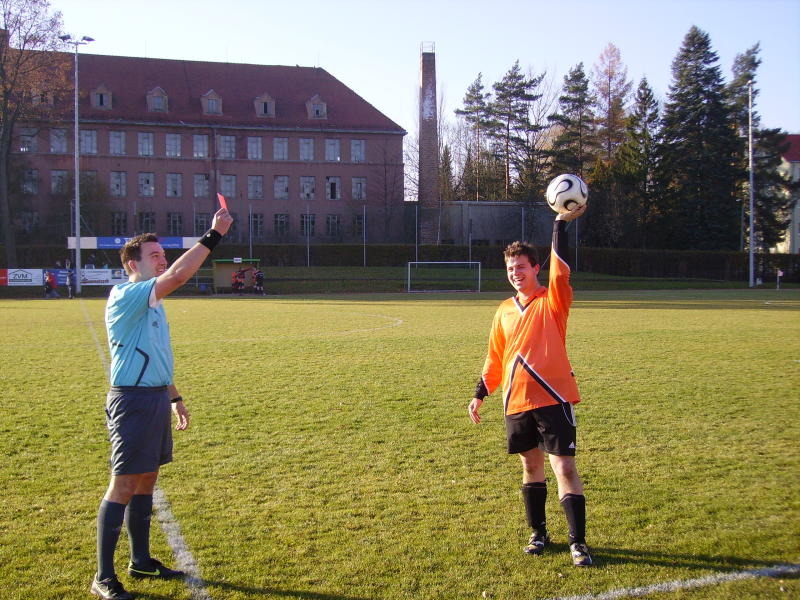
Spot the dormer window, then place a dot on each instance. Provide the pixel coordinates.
(157, 100)
(101, 97)
(212, 103)
(265, 106)
(41, 98)
(316, 107)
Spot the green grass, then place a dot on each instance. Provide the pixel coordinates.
(330, 456)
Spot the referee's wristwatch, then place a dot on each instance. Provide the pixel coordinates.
(177, 399)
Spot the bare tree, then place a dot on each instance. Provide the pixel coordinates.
(32, 74)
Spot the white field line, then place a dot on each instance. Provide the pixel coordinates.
(183, 556)
(674, 586)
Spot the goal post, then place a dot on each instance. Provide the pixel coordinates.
(443, 276)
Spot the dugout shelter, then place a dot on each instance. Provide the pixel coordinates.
(224, 268)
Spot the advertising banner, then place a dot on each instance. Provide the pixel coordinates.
(18, 277)
(3, 276)
(103, 276)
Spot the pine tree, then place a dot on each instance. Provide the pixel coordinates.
(572, 149)
(612, 91)
(476, 114)
(698, 149)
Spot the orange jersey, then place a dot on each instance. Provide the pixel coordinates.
(527, 347)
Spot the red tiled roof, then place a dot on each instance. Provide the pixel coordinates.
(793, 153)
(130, 78)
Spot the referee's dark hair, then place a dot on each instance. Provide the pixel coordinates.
(522, 249)
(132, 249)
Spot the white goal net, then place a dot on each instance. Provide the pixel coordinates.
(443, 276)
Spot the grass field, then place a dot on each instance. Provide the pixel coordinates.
(330, 455)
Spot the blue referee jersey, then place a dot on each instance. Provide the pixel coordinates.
(138, 337)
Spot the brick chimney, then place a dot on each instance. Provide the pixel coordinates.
(428, 187)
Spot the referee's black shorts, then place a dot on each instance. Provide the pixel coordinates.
(139, 428)
(552, 429)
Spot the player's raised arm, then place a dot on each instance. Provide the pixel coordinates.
(186, 266)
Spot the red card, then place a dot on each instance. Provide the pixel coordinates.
(222, 201)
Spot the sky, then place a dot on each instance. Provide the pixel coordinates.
(373, 46)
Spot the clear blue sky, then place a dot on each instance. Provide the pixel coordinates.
(373, 46)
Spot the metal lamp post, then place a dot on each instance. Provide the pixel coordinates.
(76, 149)
(752, 194)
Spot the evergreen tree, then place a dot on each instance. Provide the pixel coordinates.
(510, 116)
(446, 185)
(612, 90)
(572, 147)
(476, 114)
(698, 152)
(636, 167)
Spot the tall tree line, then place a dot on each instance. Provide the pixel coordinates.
(671, 175)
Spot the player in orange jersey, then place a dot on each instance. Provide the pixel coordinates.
(527, 355)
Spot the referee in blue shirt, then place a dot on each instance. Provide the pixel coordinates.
(138, 403)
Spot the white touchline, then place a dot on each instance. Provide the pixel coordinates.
(183, 556)
(673, 586)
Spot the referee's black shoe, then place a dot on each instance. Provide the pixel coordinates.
(110, 589)
(155, 570)
(536, 544)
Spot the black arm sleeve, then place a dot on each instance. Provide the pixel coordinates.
(561, 241)
(480, 390)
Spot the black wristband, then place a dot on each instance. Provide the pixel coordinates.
(177, 399)
(480, 390)
(211, 238)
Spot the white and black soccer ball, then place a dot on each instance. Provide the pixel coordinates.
(566, 192)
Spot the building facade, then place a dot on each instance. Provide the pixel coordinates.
(790, 166)
(297, 154)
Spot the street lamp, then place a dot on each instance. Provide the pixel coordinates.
(76, 143)
(750, 168)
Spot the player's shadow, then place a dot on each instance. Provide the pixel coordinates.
(612, 556)
(261, 592)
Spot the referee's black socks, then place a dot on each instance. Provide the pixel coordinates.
(534, 495)
(109, 523)
(574, 506)
(137, 519)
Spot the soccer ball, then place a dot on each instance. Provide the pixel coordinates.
(566, 192)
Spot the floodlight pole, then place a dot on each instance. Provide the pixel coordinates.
(76, 160)
(750, 166)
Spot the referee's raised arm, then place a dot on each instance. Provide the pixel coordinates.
(190, 261)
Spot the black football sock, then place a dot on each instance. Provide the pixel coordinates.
(574, 506)
(137, 519)
(534, 495)
(109, 523)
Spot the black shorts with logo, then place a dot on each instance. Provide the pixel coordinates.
(139, 428)
(552, 429)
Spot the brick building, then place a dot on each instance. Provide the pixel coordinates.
(295, 151)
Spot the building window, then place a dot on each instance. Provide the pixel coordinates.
(357, 150)
(116, 143)
(358, 225)
(30, 182)
(157, 100)
(265, 106)
(257, 225)
(119, 223)
(58, 141)
(146, 143)
(280, 149)
(173, 145)
(147, 222)
(281, 187)
(281, 224)
(233, 232)
(227, 146)
(174, 185)
(307, 188)
(316, 108)
(88, 141)
(28, 141)
(29, 221)
(202, 223)
(333, 188)
(333, 225)
(101, 98)
(174, 223)
(332, 150)
(119, 183)
(201, 185)
(254, 148)
(255, 187)
(147, 186)
(227, 185)
(359, 188)
(212, 103)
(200, 146)
(307, 224)
(306, 149)
(58, 181)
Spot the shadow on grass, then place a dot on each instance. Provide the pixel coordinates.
(619, 556)
(261, 592)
